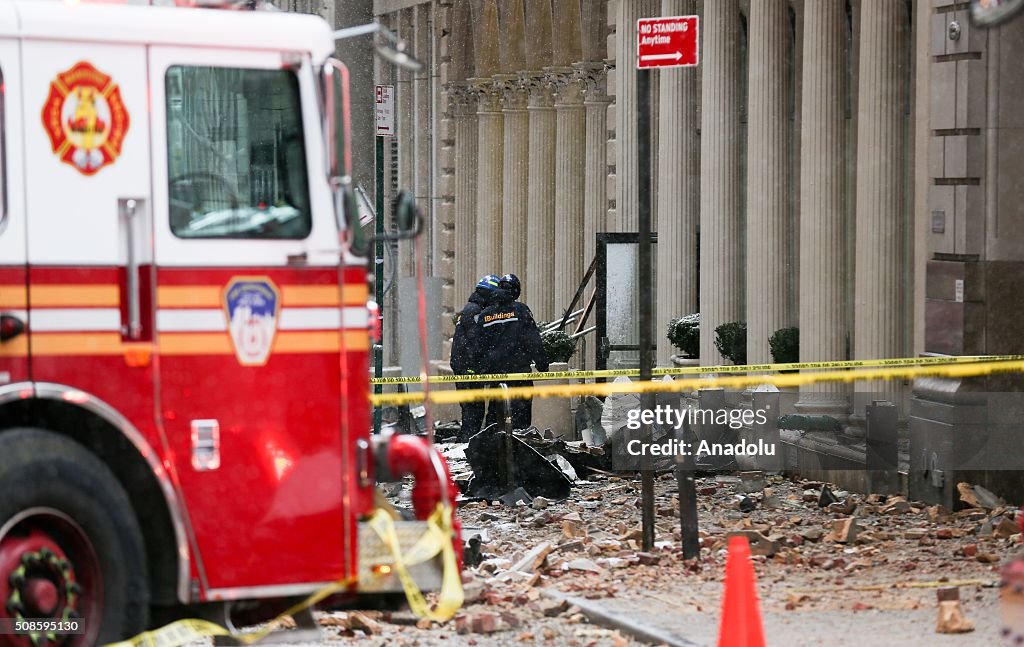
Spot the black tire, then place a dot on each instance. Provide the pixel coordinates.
(40, 469)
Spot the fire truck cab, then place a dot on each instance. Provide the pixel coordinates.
(184, 410)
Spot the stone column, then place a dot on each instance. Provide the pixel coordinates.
(424, 132)
(626, 199)
(570, 164)
(880, 277)
(489, 179)
(464, 111)
(768, 241)
(516, 188)
(539, 283)
(595, 192)
(721, 294)
(407, 140)
(823, 298)
(678, 191)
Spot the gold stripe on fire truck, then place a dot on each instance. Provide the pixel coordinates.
(13, 297)
(66, 295)
(17, 347)
(93, 344)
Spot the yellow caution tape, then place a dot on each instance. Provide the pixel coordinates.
(698, 370)
(182, 632)
(951, 368)
(177, 633)
(437, 539)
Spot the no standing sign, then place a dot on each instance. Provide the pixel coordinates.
(667, 42)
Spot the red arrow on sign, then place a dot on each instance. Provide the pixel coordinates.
(667, 41)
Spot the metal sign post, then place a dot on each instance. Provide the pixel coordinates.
(384, 108)
(645, 296)
(661, 42)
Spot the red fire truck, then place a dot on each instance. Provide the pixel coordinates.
(184, 334)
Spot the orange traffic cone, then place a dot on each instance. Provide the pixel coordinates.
(741, 615)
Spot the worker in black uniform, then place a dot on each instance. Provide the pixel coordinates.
(466, 353)
(509, 342)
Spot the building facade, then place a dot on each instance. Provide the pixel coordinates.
(834, 165)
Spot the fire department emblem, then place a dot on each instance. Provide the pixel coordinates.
(85, 118)
(252, 306)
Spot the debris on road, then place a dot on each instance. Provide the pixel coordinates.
(951, 615)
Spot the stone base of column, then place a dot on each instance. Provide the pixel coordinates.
(838, 409)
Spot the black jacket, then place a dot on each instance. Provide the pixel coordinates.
(465, 342)
(509, 337)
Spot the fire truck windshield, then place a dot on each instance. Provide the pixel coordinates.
(236, 156)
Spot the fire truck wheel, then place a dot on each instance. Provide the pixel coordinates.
(70, 546)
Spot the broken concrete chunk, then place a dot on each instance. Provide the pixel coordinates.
(534, 559)
(812, 534)
(751, 482)
(844, 531)
(952, 619)
(362, 622)
(515, 496)
(1004, 528)
(582, 565)
(484, 622)
(759, 544)
(975, 496)
(899, 506)
(552, 608)
(572, 529)
(844, 507)
(938, 513)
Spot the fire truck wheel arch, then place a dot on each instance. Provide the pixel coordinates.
(64, 514)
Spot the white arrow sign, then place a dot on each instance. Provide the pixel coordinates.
(662, 57)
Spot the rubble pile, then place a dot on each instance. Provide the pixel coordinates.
(815, 548)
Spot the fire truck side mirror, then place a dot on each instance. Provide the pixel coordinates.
(350, 209)
(338, 138)
(407, 214)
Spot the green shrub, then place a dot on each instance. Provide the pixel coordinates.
(731, 341)
(684, 333)
(558, 346)
(785, 345)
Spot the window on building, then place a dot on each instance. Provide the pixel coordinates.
(236, 158)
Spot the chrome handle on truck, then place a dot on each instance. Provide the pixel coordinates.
(127, 208)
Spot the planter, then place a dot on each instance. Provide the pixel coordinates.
(554, 413)
(683, 360)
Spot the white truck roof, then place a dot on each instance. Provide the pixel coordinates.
(87, 22)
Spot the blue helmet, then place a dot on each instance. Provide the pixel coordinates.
(489, 283)
(511, 283)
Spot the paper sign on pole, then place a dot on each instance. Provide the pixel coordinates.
(385, 110)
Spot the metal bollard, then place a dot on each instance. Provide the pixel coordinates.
(766, 400)
(882, 439)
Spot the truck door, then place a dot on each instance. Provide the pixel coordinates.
(14, 366)
(87, 184)
(248, 317)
